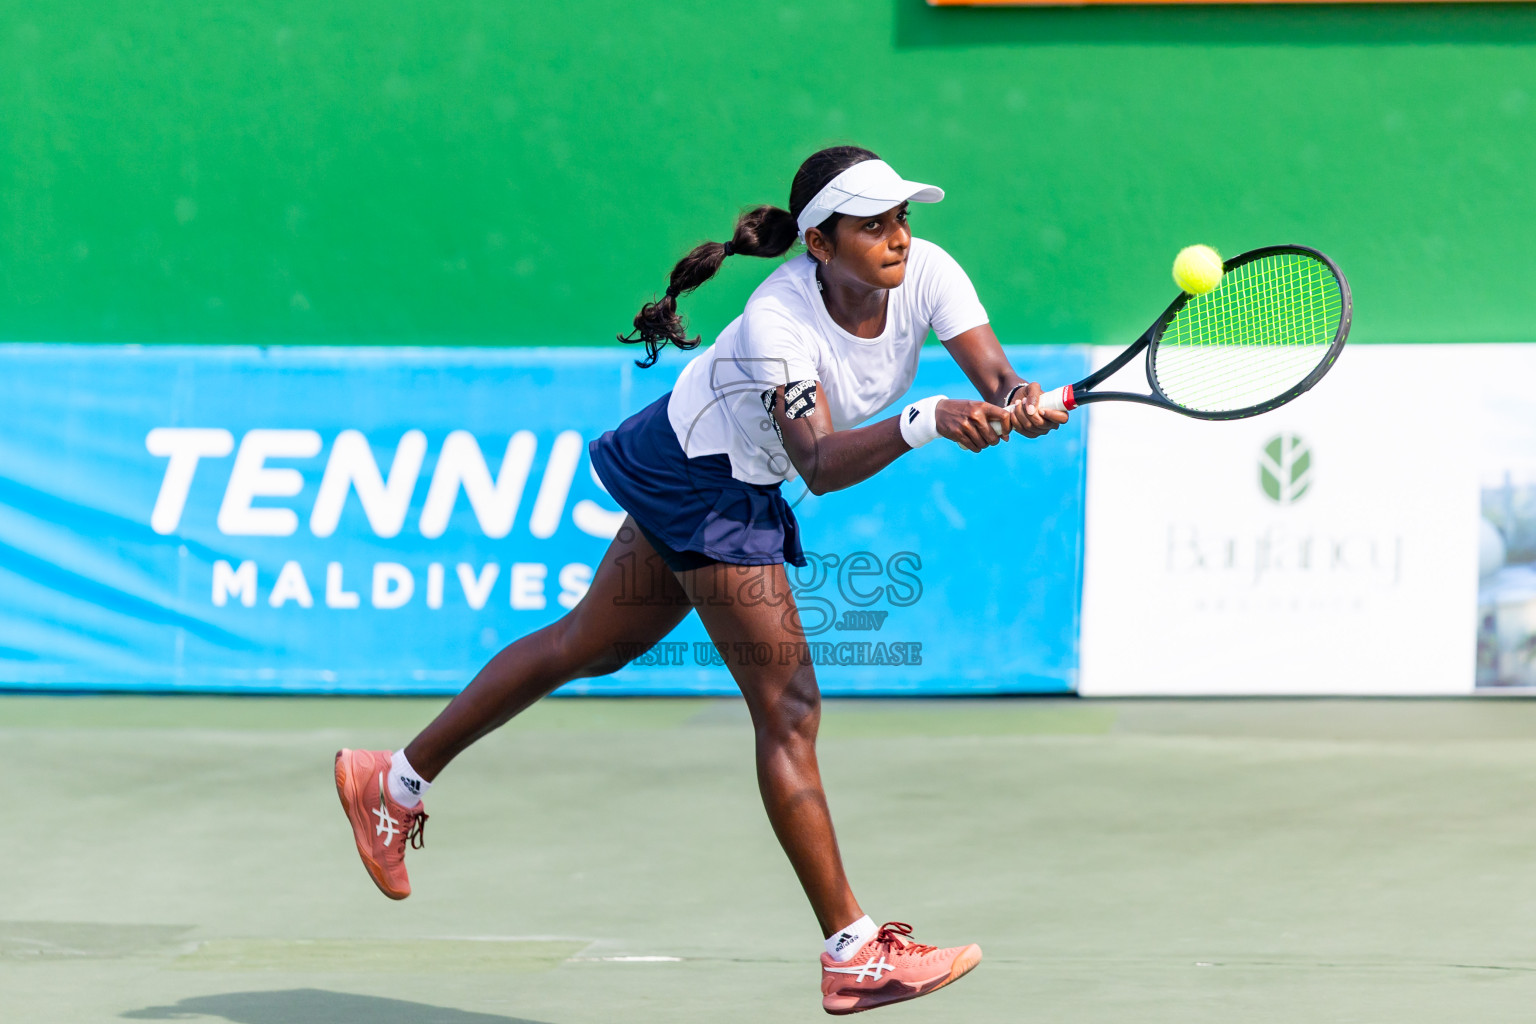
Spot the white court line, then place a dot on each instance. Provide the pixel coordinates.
(625, 960)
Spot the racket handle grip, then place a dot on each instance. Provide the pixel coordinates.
(1059, 400)
(997, 425)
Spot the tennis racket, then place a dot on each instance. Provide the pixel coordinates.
(1263, 336)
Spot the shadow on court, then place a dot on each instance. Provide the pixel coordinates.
(314, 1006)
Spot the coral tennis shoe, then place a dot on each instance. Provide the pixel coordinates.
(891, 968)
(381, 827)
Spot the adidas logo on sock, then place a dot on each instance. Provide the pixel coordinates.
(411, 784)
(843, 940)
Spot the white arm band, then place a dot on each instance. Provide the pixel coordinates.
(920, 420)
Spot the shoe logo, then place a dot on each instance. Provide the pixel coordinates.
(843, 940)
(912, 414)
(868, 970)
(387, 823)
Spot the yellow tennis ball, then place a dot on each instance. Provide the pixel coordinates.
(1197, 269)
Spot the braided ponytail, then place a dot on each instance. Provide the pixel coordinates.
(761, 231)
(766, 231)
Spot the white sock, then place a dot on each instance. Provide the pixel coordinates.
(846, 943)
(406, 788)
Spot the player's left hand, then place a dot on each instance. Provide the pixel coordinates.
(1027, 416)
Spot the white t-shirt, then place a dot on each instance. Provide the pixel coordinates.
(786, 335)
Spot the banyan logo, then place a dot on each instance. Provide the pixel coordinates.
(1285, 469)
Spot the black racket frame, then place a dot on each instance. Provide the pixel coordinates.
(1083, 393)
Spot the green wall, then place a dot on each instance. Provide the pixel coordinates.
(518, 172)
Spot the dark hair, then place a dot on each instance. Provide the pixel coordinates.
(761, 231)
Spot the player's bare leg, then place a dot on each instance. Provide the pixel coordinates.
(634, 601)
(748, 608)
(743, 607)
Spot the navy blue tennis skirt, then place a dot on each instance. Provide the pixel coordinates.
(692, 510)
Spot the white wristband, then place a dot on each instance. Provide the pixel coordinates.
(920, 420)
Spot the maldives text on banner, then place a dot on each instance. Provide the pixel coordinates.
(384, 520)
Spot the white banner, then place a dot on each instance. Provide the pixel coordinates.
(1330, 547)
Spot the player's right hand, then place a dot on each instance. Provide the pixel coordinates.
(1031, 420)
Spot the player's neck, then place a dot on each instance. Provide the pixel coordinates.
(854, 306)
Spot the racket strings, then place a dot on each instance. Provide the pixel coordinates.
(1255, 337)
(1211, 365)
(1203, 378)
(1220, 363)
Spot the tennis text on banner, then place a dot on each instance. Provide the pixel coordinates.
(385, 499)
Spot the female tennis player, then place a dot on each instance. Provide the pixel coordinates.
(825, 343)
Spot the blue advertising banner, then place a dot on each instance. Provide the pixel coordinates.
(245, 519)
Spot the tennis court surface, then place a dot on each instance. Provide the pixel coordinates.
(601, 861)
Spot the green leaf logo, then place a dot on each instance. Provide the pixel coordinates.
(1285, 469)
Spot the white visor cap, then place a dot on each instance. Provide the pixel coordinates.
(863, 189)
